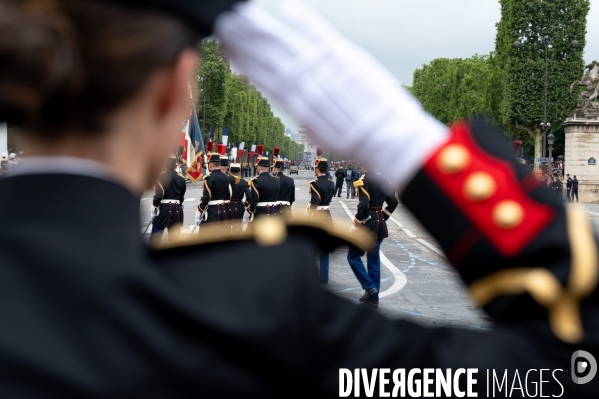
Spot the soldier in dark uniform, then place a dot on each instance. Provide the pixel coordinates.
(214, 205)
(167, 205)
(224, 168)
(287, 185)
(89, 310)
(4, 165)
(322, 191)
(372, 195)
(264, 189)
(241, 190)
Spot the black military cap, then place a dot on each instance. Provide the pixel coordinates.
(235, 167)
(199, 14)
(214, 157)
(263, 161)
(224, 161)
(322, 163)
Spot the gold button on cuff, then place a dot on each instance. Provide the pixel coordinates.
(453, 159)
(508, 214)
(479, 186)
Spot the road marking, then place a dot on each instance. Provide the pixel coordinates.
(592, 213)
(144, 199)
(400, 278)
(397, 222)
(189, 199)
(409, 233)
(298, 189)
(431, 246)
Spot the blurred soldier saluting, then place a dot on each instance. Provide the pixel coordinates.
(264, 191)
(167, 205)
(286, 196)
(322, 191)
(99, 89)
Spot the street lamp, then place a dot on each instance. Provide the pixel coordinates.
(550, 140)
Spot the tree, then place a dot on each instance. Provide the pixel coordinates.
(452, 89)
(227, 99)
(544, 29)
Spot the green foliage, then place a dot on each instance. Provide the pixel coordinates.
(227, 99)
(508, 86)
(452, 89)
(545, 29)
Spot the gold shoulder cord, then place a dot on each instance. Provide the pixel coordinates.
(562, 303)
(267, 232)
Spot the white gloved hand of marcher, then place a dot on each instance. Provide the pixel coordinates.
(246, 218)
(154, 212)
(347, 100)
(198, 217)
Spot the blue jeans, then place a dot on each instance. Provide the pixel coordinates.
(370, 278)
(324, 267)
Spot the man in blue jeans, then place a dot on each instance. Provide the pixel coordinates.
(372, 195)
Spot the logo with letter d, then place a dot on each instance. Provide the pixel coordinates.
(580, 366)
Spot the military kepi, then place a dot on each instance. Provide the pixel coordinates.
(212, 156)
(320, 162)
(199, 14)
(277, 162)
(262, 161)
(222, 151)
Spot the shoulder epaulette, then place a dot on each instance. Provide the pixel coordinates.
(313, 181)
(268, 232)
(251, 181)
(237, 179)
(360, 181)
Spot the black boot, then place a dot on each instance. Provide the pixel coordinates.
(368, 293)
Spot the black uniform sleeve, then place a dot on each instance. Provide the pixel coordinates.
(207, 195)
(183, 190)
(522, 255)
(392, 203)
(292, 196)
(315, 196)
(362, 213)
(254, 197)
(159, 191)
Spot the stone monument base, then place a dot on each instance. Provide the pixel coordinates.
(582, 144)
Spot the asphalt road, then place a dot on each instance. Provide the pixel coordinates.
(416, 280)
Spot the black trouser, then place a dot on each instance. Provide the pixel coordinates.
(574, 193)
(339, 187)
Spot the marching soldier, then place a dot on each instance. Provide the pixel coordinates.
(287, 185)
(224, 168)
(264, 191)
(240, 190)
(167, 205)
(322, 191)
(214, 205)
(372, 195)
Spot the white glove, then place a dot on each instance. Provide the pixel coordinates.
(246, 218)
(347, 100)
(198, 217)
(154, 212)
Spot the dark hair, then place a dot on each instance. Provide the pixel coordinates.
(323, 169)
(67, 64)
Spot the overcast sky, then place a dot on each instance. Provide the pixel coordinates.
(405, 34)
